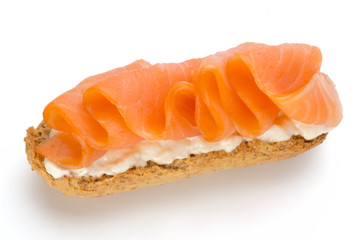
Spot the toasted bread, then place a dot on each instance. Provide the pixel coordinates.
(248, 153)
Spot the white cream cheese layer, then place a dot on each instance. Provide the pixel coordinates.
(166, 151)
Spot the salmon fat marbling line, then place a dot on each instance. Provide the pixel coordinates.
(243, 90)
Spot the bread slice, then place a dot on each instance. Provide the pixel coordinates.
(248, 153)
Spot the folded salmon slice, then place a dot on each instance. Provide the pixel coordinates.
(240, 90)
(227, 86)
(135, 100)
(82, 137)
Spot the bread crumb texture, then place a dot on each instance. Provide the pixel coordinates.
(248, 153)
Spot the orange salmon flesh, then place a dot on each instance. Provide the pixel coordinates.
(242, 90)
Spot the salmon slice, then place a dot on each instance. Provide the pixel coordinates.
(82, 137)
(69, 151)
(232, 98)
(315, 103)
(180, 111)
(289, 75)
(136, 99)
(246, 90)
(67, 112)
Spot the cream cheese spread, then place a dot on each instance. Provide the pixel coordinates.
(166, 151)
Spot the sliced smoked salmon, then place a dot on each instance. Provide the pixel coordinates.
(241, 90)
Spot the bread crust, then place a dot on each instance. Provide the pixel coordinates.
(248, 153)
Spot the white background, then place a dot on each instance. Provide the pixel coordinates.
(47, 47)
